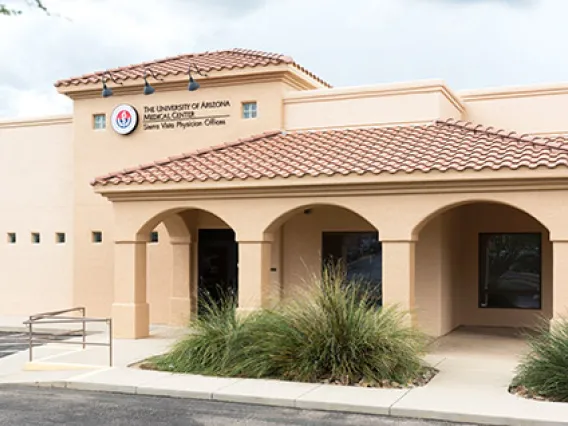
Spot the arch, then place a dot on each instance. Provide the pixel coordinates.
(440, 210)
(173, 222)
(273, 223)
(451, 266)
(301, 243)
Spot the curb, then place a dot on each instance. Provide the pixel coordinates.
(297, 404)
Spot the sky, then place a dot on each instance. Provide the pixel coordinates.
(468, 43)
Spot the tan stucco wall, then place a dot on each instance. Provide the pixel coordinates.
(447, 269)
(98, 152)
(538, 109)
(400, 218)
(437, 271)
(36, 196)
(53, 163)
(493, 218)
(379, 105)
(159, 266)
(302, 243)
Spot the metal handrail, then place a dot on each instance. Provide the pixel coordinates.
(57, 317)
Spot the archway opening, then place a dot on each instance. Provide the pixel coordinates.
(191, 258)
(307, 239)
(482, 264)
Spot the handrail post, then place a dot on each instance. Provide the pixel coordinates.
(110, 340)
(30, 334)
(84, 311)
(56, 318)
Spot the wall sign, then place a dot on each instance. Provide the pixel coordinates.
(124, 119)
(187, 115)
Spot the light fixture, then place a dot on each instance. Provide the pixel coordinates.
(107, 91)
(194, 85)
(148, 89)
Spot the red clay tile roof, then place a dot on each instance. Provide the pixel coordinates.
(441, 146)
(206, 61)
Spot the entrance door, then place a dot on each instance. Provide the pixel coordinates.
(217, 265)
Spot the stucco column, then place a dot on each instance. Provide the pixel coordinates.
(180, 301)
(130, 312)
(254, 275)
(559, 280)
(398, 273)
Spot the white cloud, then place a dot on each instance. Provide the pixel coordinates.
(469, 43)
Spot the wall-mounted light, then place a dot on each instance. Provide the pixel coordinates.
(107, 91)
(194, 85)
(148, 89)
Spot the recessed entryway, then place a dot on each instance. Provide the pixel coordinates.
(217, 265)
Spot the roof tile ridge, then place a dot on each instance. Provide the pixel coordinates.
(502, 133)
(140, 66)
(183, 156)
(287, 59)
(263, 54)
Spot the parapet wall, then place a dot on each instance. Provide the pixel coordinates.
(380, 105)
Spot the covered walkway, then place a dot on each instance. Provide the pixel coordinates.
(454, 237)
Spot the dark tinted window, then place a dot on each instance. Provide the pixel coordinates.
(360, 254)
(510, 268)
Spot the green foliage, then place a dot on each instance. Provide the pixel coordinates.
(333, 333)
(336, 333)
(11, 12)
(5, 11)
(544, 370)
(215, 345)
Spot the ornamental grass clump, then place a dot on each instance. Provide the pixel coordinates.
(215, 344)
(335, 333)
(543, 371)
(332, 332)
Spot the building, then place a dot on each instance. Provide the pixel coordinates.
(137, 202)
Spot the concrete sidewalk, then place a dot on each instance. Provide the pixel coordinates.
(471, 386)
(464, 391)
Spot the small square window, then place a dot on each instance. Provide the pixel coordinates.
(99, 121)
(60, 237)
(97, 237)
(36, 239)
(11, 238)
(249, 110)
(154, 238)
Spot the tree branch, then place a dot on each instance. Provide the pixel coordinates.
(34, 3)
(39, 4)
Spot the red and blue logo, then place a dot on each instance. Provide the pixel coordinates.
(124, 119)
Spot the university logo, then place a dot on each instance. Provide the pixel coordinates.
(124, 119)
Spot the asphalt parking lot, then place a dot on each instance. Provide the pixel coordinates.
(45, 406)
(12, 342)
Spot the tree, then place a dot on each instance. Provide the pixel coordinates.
(4, 10)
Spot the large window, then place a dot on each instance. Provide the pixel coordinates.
(360, 253)
(510, 268)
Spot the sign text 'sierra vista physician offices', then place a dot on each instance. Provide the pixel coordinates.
(186, 115)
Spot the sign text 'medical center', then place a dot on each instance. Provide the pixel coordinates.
(186, 115)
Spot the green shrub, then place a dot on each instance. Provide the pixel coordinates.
(332, 332)
(544, 370)
(215, 344)
(336, 333)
